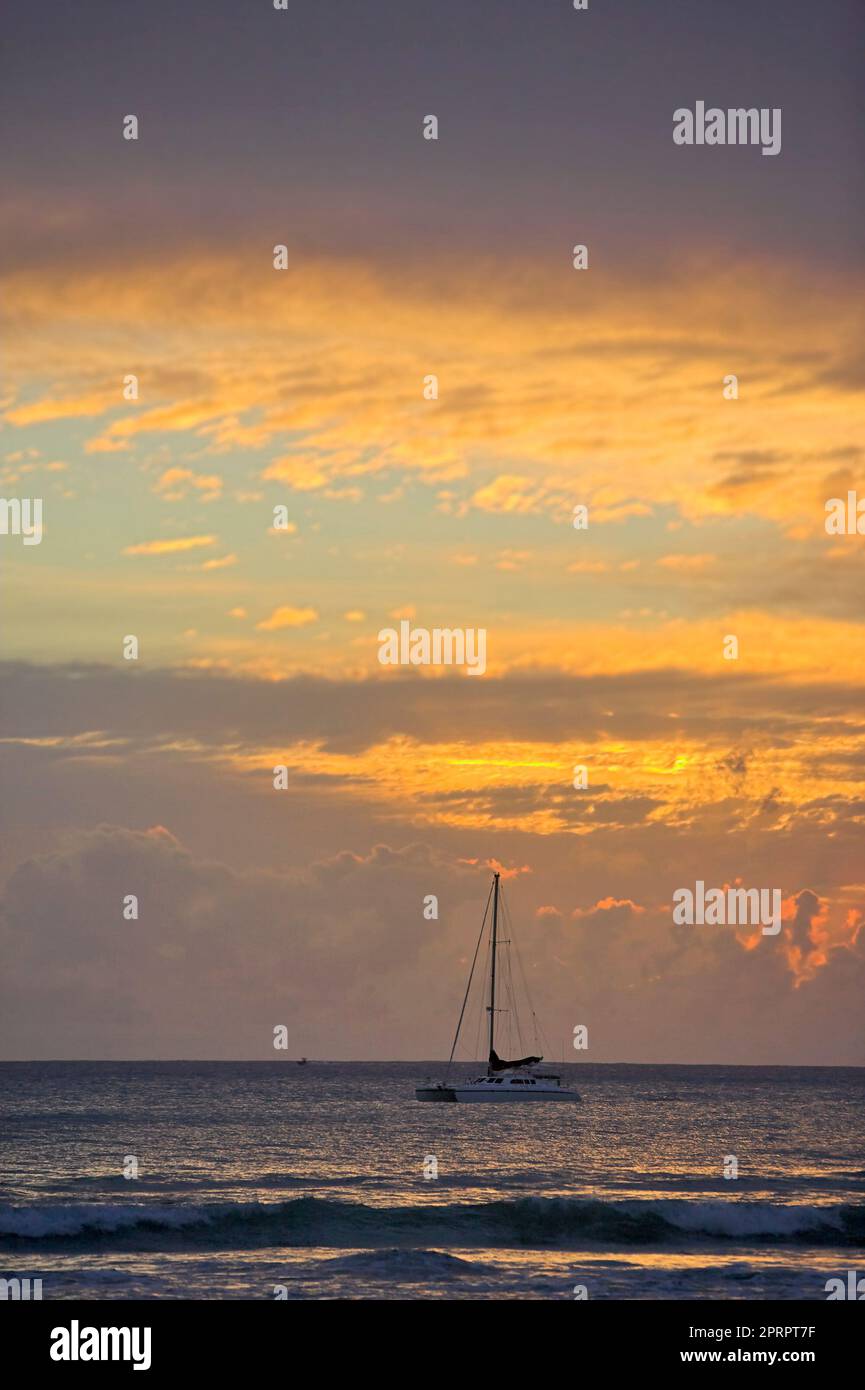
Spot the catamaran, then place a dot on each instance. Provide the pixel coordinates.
(520, 1079)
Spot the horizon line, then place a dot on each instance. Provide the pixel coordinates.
(403, 1061)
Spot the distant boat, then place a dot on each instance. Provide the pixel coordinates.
(301, 1061)
(515, 1080)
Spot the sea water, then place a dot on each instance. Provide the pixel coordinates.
(277, 1181)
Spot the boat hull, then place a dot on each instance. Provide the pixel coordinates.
(485, 1095)
(435, 1093)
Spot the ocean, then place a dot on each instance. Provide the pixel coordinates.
(272, 1180)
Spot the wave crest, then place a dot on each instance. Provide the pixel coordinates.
(559, 1222)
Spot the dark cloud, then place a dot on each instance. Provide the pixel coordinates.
(150, 708)
(341, 954)
(218, 956)
(517, 88)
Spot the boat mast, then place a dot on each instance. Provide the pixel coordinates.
(493, 970)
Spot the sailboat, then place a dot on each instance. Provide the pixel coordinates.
(521, 1079)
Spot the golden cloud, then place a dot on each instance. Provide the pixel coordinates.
(612, 397)
(169, 547)
(287, 617)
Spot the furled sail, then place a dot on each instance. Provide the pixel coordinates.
(496, 1063)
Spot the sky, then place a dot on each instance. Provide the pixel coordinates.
(304, 389)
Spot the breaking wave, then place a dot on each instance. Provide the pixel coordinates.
(557, 1222)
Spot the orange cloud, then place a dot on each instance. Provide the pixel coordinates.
(222, 563)
(687, 564)
(287, 616)
(169, 547)
(649, 360)
(175, 484)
